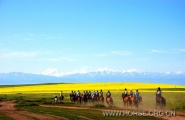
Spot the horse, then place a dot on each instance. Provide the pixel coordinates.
(55, 100)
(160, 100)
(101, 98)
(137, 101)
(73, 97)
(109, 101)
(84, 98)
(61, 97)
(125, 100)
(94, 98)
(131, 100)
(89, 98)
(79, 99)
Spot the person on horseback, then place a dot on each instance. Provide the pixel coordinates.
(89, 93)
(108, 94)
(78, 93)
(101, 93)
(97, 93)
(136, 95)
(86, 93)
(74, 94)
(71, 94)
(125, 93)
(61, 96)
(159, 92)
(61, 93)
(131, 93)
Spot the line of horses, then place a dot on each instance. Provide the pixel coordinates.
(128, 100)
(131, 100)
(83, 98)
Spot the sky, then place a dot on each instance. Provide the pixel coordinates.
(71, 36)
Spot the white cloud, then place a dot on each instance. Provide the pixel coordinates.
(167, 51)
(158, 51)
(58, 73)
(60, 59)
(182, 50)
(175, 72)
(52, 72)
(17, 54)
(112, 70)
(82, 70)
(121, 53)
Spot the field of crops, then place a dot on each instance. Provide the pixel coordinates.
(66, 88)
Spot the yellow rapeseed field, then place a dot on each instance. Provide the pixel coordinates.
(66, 88)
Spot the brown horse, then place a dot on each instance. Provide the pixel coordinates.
(137, 101)
(101, 98)
(78, 99)
(109, 101)
(126, 101)
(131, 100)
(160, 101)
(72, 98)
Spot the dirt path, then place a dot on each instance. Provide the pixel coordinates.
(70, 107)
(7, 108)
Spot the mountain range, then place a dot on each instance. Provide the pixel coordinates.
(15, 78)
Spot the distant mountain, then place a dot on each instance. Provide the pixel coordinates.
(103, 76)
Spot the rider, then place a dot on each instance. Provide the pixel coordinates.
(89, 93)
(125, 93)
(61, 93)
(159, 92)
(97, 93)
(78, 93)
(136, 95)
(108, 94)
(86, 93)
(71, 94)
(74, 93)
(131, 93)
(101, 93)
(93, 94)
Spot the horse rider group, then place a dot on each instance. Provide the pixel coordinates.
(131, 94)
(60, 96)
(86, 95)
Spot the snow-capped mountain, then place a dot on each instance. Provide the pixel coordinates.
(99, 76)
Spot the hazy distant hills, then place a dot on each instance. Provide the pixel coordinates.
(145, 77)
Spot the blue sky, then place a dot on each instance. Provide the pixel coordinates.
(76, 35)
